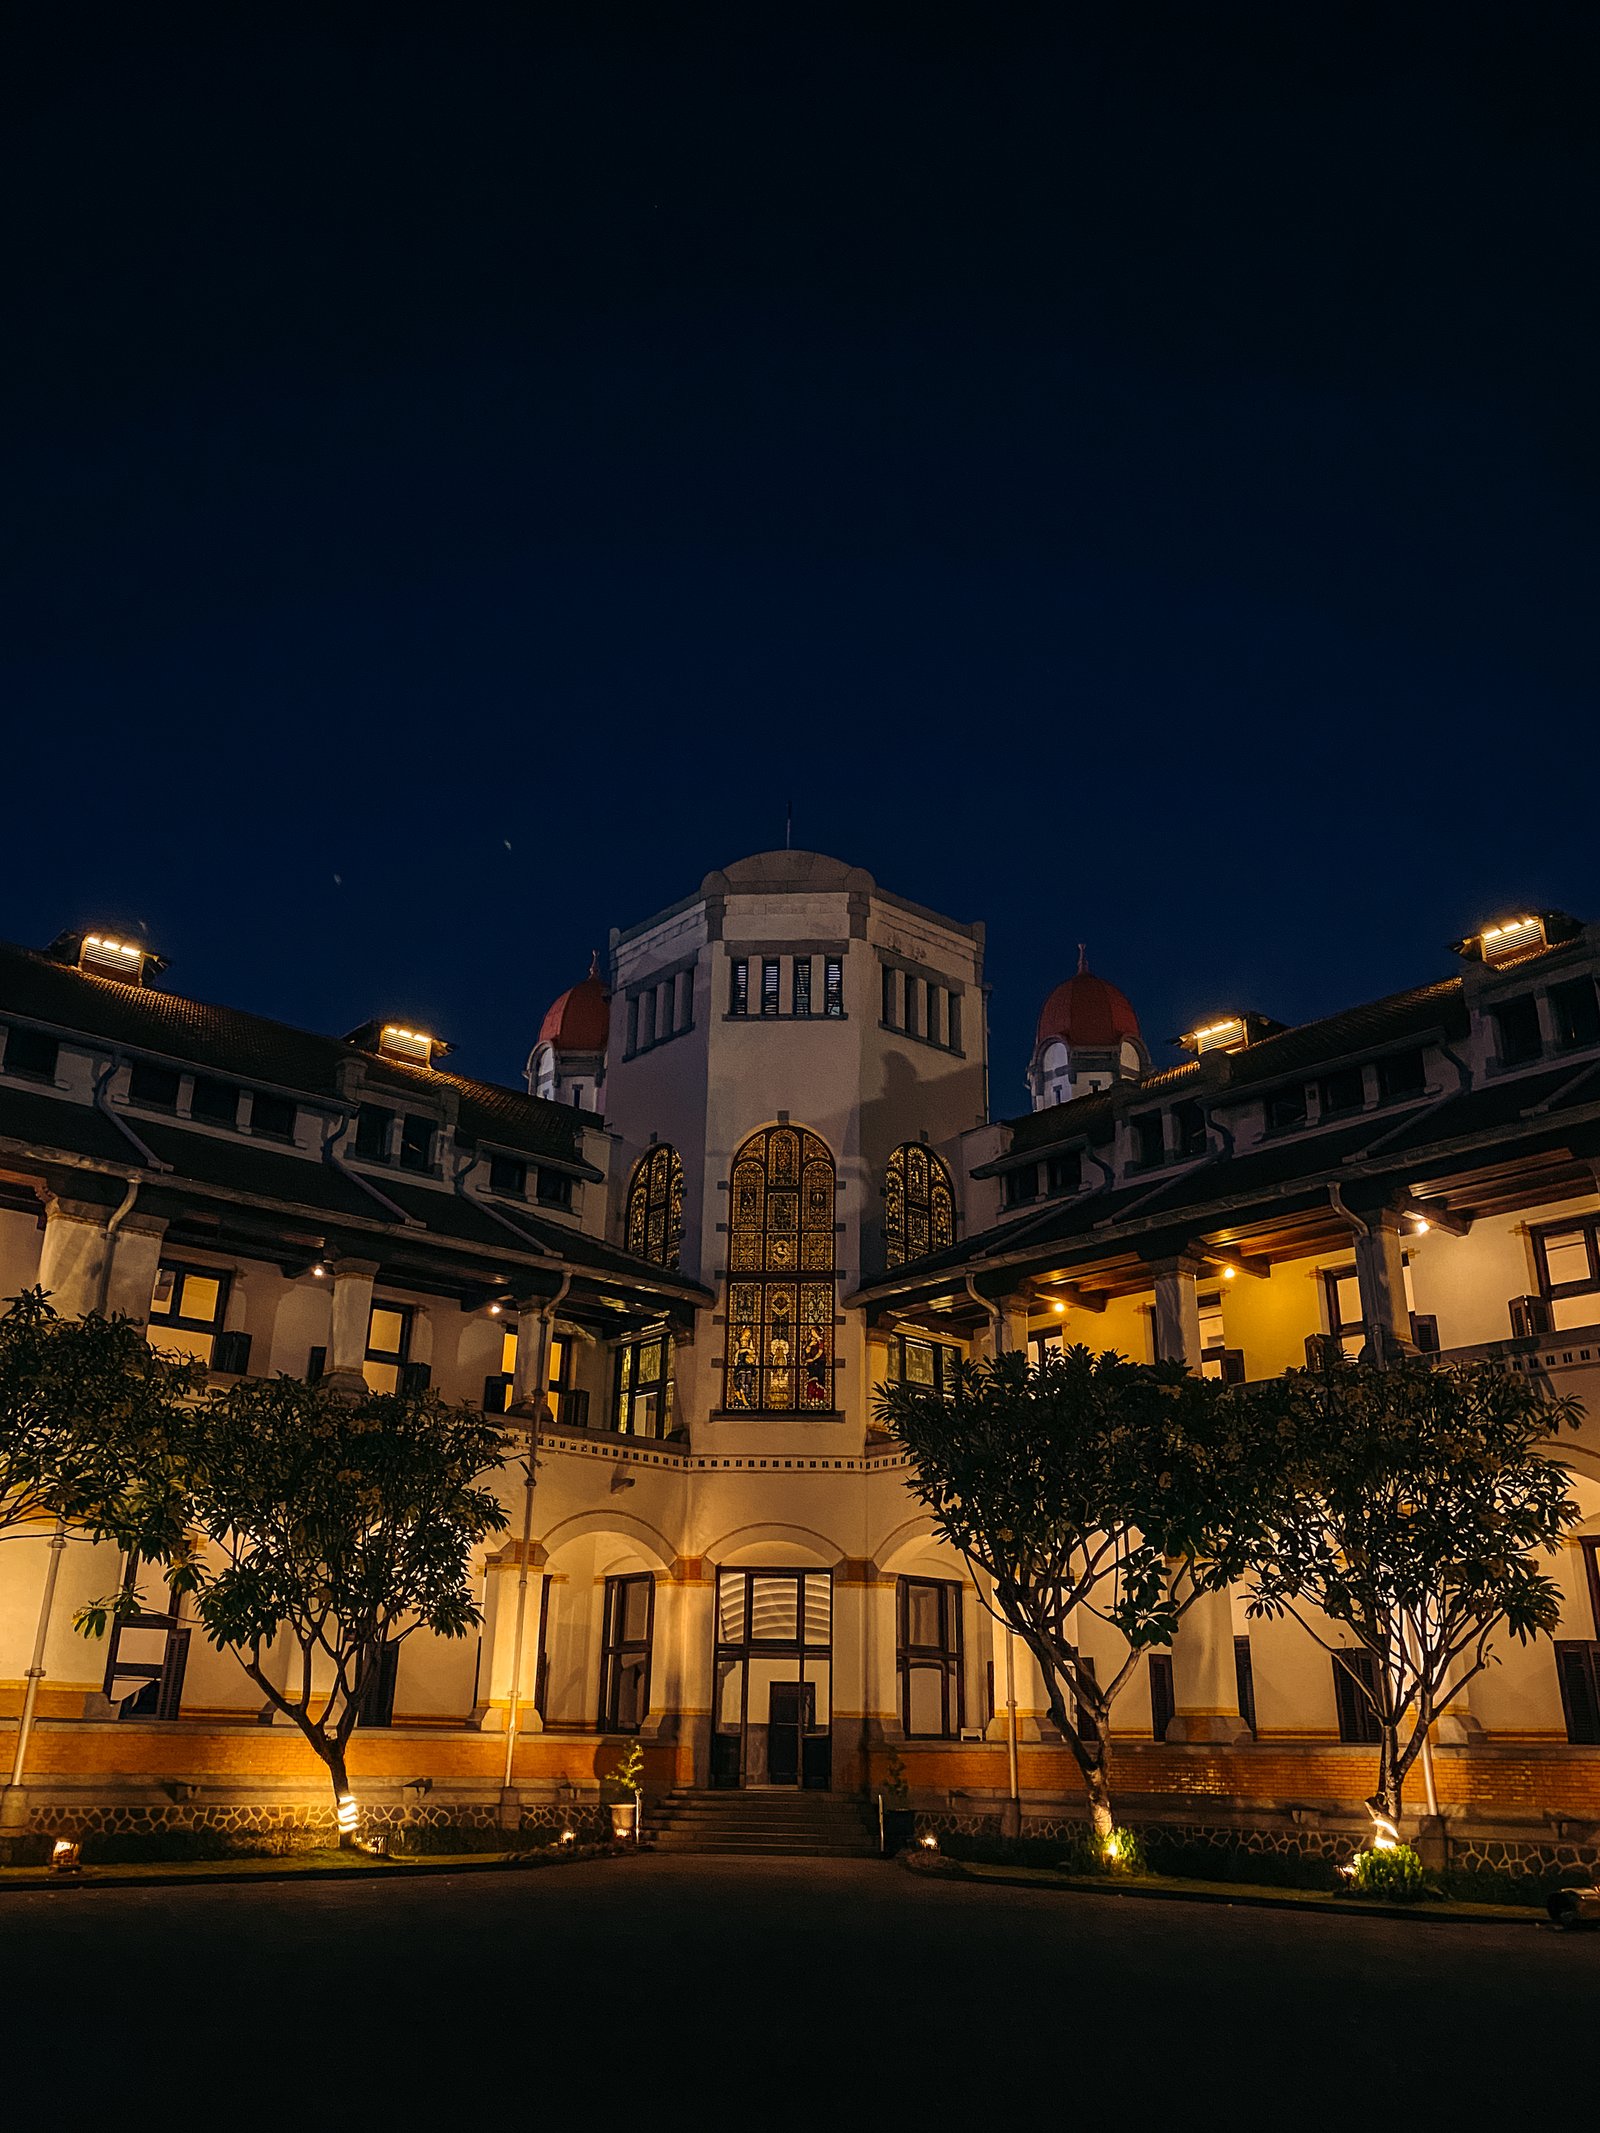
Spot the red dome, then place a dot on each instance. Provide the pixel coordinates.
(1087, 1012)
(580, 1021)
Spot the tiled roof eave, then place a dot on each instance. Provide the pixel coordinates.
(1308, 1188)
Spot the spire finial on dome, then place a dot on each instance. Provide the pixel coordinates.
(594, 962)
(1083, 958)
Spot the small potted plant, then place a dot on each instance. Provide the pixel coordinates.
(627, 1777)
(897, 1824)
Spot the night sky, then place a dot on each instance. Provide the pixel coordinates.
(1132, 481)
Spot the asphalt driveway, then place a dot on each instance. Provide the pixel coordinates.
(774, 1993)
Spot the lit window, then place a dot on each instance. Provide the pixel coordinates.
(1346, 1321)
(186, 1311)
(388, 1347)
(655, 1206)
(1568, 1259)
(918, 1205)
(921, 1362)
(643, 1405)
(780, 1281)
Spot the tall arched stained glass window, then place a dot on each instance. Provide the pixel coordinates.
(780, 1274)
(919, 1205)
(655, 1206)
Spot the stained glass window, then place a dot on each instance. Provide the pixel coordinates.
(780, 1274)
(919, 1205)
(655, 1206)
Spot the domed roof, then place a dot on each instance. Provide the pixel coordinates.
(1087, 1011)
(580, 1021)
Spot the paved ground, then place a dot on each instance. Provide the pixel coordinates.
(720, 1993)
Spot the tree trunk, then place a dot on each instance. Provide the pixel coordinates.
(1386, 1800)
(1097, 1780)
(332, 1753)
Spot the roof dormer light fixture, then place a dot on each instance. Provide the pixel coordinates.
(1512, 936)
(403, 1043)
(1230, 1034)
(111, 956)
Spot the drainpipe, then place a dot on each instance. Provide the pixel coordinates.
(996, 1315)
(101, 1082)
(1014, 1801)
(330, 1154)
(545, 1318)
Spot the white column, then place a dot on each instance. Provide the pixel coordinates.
(1205, 1682)
(351, 1321)
(1380, 1271)
(135, 1259)
(694, 1590)
(73, 1255)
(501, 1600)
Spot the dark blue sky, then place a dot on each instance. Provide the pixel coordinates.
(1133, 480)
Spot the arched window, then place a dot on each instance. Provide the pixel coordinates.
(780, 1273)
(655, 1206)
(919, 1205)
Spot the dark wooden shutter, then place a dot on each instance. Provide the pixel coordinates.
(414, 1378)
(1244, 1674)
(496, 1394)
(231, 1352)
(1578, 1670)
(316, 1365)
(1358, 1721)
(1163, 1701)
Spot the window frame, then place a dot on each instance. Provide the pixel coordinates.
(183, 1271)
(615, 1648)
(1541, 1233)
(833, 988)
(384, 1358)
(655, 1186)
(780, 1275)
(1340, 1329)
(919, 1196)
(947, 1656)
(800, 988)
(629, 1393)
(739, 986)
(47, 1046)
(1358, 1721)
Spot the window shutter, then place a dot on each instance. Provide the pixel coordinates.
(1244, 1674)
(415, 1378)
(1163, 1701)
(1580, 1691)
(496, 1392)
(316, 1365)
(231, 1352)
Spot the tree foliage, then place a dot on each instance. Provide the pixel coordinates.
(1414, 1505)
(88, 1426)
(332, 1527)
(1087, 1485)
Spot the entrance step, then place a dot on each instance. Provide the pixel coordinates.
(777, 1824)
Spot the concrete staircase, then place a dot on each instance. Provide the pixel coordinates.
(821, 1825)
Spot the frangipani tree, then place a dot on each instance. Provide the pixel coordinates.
(336, 1526)
(1416, 1507)
(88, 1414)
(1087, 1485)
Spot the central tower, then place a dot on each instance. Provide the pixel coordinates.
(790, 1036)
